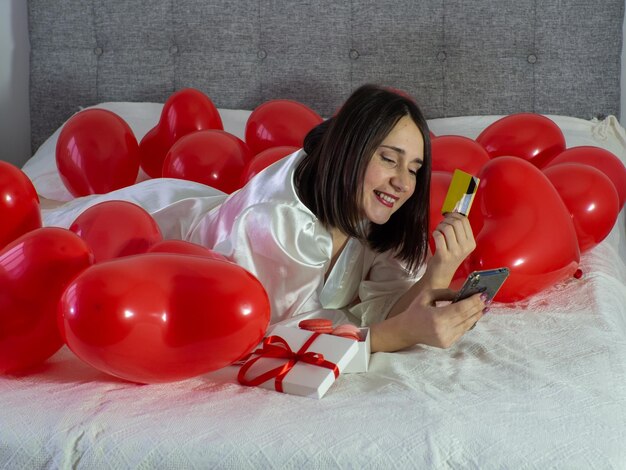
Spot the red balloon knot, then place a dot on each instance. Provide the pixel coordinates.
(578, 274)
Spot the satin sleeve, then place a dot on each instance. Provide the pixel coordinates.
(281, 244)
(385, 280)
(175, 204)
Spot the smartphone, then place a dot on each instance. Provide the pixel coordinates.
(488, 281)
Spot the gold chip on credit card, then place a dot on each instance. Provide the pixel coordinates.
(460, 193)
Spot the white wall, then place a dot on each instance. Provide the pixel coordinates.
(14, 113)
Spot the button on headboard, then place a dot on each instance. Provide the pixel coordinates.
(457, 57)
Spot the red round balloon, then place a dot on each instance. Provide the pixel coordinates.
(451, 152)
(526, 227)
(601, 159)
(212, 157)
(590, 197)
(185, 111)
(116, 228)
(183, 247)
(530, 136)
(278, 123)
(19, 204)
(35, 269)
(152, 150)
(264, 159)
(96, 153)
(163, 317)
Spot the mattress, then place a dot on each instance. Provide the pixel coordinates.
(539, 383)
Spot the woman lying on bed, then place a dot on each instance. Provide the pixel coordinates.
(339, 225)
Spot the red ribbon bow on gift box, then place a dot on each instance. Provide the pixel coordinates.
(277, 347)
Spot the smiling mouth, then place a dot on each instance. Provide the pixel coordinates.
(385, 199)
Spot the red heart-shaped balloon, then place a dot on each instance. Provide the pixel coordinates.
(526, 227)
(116, 228)
(590, 197)
(35, 269)
(599, 158)
(96, 153)
(163, 317)
(19, 204)
(186, 111)
(530, 136)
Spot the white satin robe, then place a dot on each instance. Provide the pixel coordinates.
(267, 230)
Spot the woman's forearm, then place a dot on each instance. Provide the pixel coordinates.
(387, 336)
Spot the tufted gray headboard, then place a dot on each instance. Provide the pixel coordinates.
(457, 57)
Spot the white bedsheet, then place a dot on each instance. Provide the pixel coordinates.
(537, 384)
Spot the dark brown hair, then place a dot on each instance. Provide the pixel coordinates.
(329, 179)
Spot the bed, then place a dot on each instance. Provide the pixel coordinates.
(539, 383)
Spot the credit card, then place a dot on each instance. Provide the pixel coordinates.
(460, 193)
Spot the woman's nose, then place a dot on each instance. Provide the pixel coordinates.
(401, 180)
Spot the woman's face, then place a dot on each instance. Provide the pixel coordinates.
(391, 173)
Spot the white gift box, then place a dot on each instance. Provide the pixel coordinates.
(361, 360)
(305, 379)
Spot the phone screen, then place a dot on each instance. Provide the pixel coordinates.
(488, 281)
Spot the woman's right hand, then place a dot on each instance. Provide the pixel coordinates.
(431, 319)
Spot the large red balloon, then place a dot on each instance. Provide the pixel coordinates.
(526, 227)
(264, 159)
(278, 123)
(188, 110)
(183, 247)
(19, 204)
(451, 152)
(530, 136)
(590, 197)
(600, 159)
(116, 228)
(96, 153)
(212, 157)
(163, 317)
(35, 269)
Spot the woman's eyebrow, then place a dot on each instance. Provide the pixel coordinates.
(396, 149)
(401, 152)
